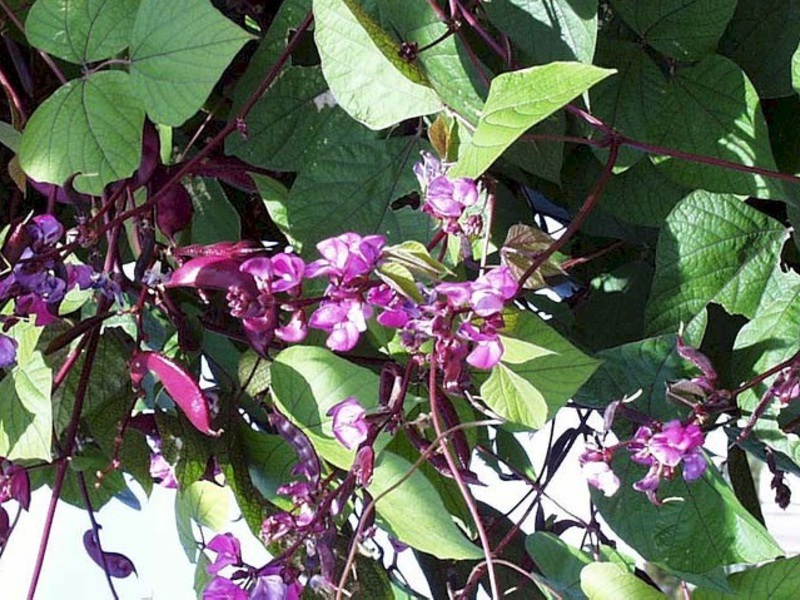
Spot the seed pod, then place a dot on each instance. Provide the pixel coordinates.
(458, 437)
(174, 210)
(116, 564)
(181, 387)
(212, 272)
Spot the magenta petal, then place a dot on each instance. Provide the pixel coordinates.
(349, 422)
(600, 475)
(465, 191)
(457, 294)
(228, 551)
(486, 354)
(295, 330)
(220, 588)
(261, 268)
(8, 351)
(288, 272)
(486, 302)
(343, 337)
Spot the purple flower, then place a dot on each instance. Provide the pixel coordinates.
(349, 422)
(429, 169)
(674, 442)
(8, 351)
(15, 485)
(344, 320)
(80, 275)
(492, 290)
(228, 550)
(45, 231)
(598, 473)
(487, 351)
(288, 271)
(220, 588)
(162, 472)
(271, 585)
(346, 257)
(295, 330)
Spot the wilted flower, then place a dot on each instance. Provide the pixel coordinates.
(349, 423)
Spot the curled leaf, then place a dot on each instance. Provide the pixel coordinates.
(180, 385)
(523, 244)
(116, 564)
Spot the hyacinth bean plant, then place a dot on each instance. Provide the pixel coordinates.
(342, 261)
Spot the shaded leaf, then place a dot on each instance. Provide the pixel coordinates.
(712, 248)
(761, 38)
(713, 110)
(775, 580)
(204, 503)
(682, 29)
(549, 30)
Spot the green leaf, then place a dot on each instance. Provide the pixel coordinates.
(204, 503)
(293, 120)
(81, 31)
(214, 219)
(705, 530)
(414, 512)
(682, 29)
(364, 70)
(445, 63)
(9, 136)
(307, 381)
(777, 580)
(559, 562)
(646, 365)
(351, 187)
(270, 460)
(607, 581)
(716, 98)
(642, 195)
(768, 339)
(178, 52)
(712, 248)
(91, 127)
(761, 38)
(539, 372)
(26, 421)
(254, 373)
(630, 100)
(621, 291)
(517, 101)
(549, 30)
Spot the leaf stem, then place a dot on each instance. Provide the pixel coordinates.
(576, 223)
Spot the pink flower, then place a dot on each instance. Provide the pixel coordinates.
(346, 257)
(429, 169)
(344, 320)
(271, 585)
(598, 472)
(349, 422)
(295, 330)
(288, 270)
(487, 351)
(228, 550)
(674, 442)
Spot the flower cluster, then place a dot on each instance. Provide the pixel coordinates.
(462, 318)
(446, 199)
(347, 261)
(272, 582)
(39, 279)
(660, 447)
